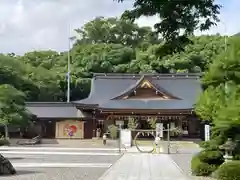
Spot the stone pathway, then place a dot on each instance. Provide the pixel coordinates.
(134, 166)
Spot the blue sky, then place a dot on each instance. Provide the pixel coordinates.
(27, 25)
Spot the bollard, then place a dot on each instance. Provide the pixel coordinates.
(104, 139)
(119, 139)
(157, 144)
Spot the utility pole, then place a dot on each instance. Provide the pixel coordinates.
(226, 87)
(68, 67)
(225, 37)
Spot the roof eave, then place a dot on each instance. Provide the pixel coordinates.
(156, 110)
(58, 118)
(79, 105)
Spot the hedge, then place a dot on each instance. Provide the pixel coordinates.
(4, 142)
(200, 168)
(228, 171)
(211, 157)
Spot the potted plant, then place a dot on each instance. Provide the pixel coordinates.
(113, 131)
(132, 125)
(152, 122)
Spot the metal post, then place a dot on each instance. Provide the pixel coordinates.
(94, 123)
(225, 37)
(119, 139)
(168, 138)
(68, 66)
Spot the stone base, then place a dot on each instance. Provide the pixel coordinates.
(6, 168)
(227, 158)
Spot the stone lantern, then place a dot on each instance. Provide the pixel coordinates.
(228, 147)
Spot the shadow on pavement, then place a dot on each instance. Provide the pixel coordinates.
(21, 172)
(15, 158)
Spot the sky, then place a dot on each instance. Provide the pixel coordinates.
(28, 25)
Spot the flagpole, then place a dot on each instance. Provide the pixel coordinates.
(68, 66)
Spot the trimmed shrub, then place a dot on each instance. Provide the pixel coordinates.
(209, 145)
(211, 157)
(205, 144)
(200, 168)
(228, 171)
(4, 142)
(113, 130)
(236, 157)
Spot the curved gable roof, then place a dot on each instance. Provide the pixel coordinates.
(139, 83)
(105, 87)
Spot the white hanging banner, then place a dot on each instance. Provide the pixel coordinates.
(126, 137)
(207, 132)
(159, 130)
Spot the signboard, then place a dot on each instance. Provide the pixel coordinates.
(207, 132)
(159, 130)
(126, 137)
(118, 123)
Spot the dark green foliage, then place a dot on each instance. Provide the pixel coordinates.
(4, 142)
(207, 161)
(210, 145)
(200, 168)
(12, 106)
(211, 157)
(220, 104)
(228, 171)
(41, 75)
(175, 17)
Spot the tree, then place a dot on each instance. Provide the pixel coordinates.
(220, 104)
(35, 82)
(220, 101)
(178, 19)
(45, 59)
(206, 107)
(43, 78)
(12, 107)
(115, 31)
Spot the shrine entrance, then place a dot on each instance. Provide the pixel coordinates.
(186, 125)
(147, 122)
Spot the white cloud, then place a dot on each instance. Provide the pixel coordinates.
(27, 25)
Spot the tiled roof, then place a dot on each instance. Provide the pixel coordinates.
(104, 87)
(54, 110)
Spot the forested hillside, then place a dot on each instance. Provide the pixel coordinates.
(238, 34)
(103, 46)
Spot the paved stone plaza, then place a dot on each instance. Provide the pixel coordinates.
(136, 166)
(65, 163)
(44, 163)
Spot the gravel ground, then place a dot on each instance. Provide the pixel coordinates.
(83, 143)
(65, 173)
(56, 174)
(61, 159)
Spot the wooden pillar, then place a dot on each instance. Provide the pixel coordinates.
(94, 123)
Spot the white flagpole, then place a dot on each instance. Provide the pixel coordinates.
(68, 66)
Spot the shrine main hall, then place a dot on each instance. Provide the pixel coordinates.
(116, 98)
